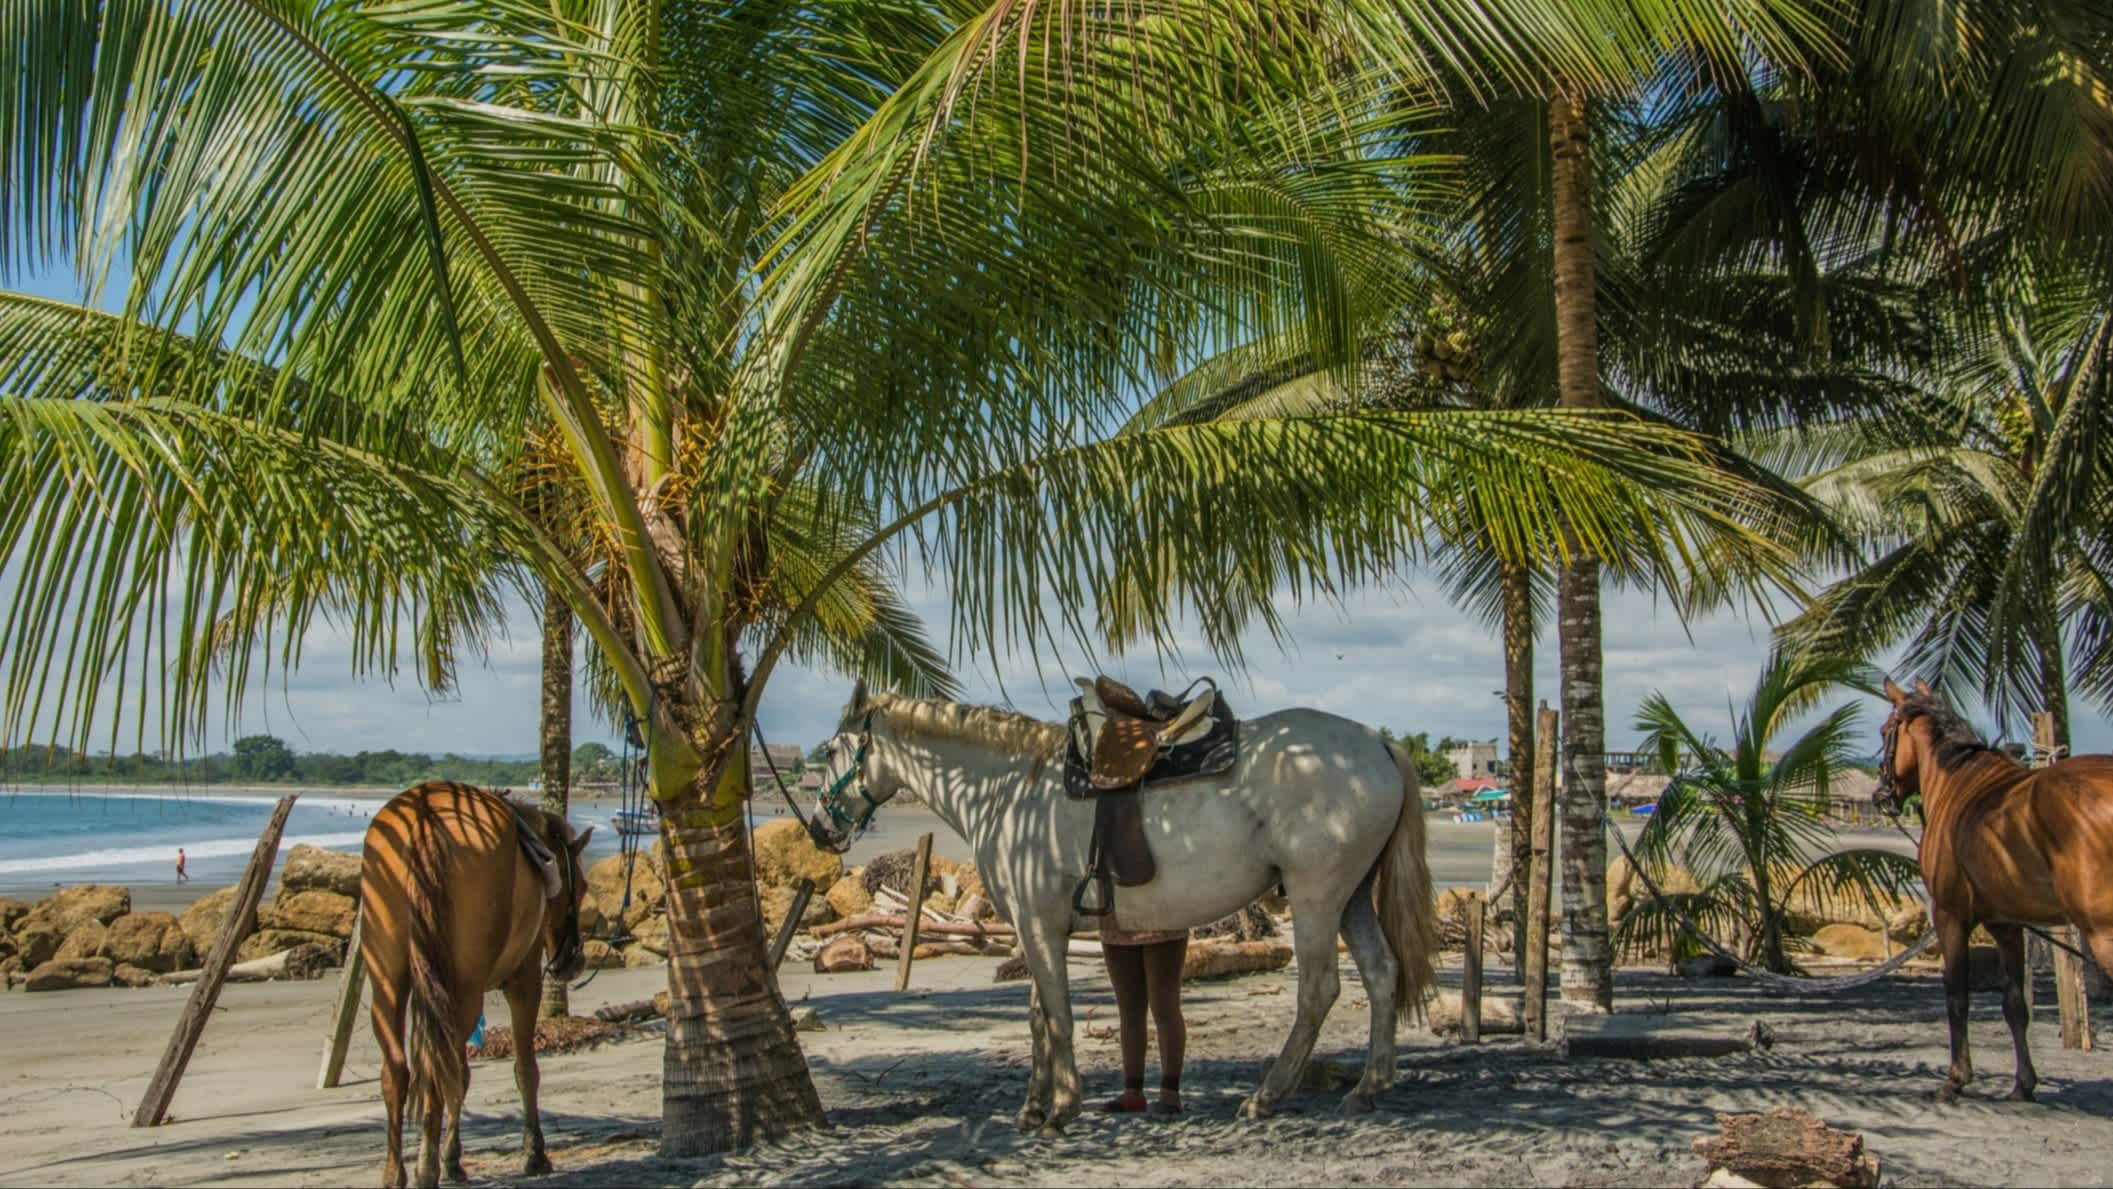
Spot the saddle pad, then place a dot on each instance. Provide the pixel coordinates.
(538, 854)
(1124, 752)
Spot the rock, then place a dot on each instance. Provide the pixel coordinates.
(85, 941)
(311, 911)
(38, 942)
(592, 922)
(1216, 959)
(201, 921)
(11, 912)
(313, 869)
(1788, 1146)
(784, 855)
(65, 974)
(68, 908)
(600, 956)
(1625, 887)
(649, 886)
(1501, 1015)
(1851, 941)
(638, 955)
(846, 951)
(652, 933)
(311, 961)
(151, 941)
(266, 942)
(848, 897)
(126, 974)
(1707, 966)
(808, 1019)
(1908, 922)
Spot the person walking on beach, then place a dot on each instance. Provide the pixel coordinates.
(1145, 969)
(180, 876)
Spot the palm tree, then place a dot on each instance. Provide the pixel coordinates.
(1752, 833)
(805, 292)
(555, 745)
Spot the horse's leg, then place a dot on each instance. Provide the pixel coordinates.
(1952, 933)
(2017, 976)
(429, 1138)
(387, 1015)
(1377, 967)
(451, 1158)
(1313, 945)
(1036, 1110)
(1043, 942)
(524, 998)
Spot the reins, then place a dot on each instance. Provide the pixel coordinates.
(831, 799)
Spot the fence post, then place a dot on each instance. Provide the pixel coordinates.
(1540, 874)
(2069, 998)
(1471, 975)
(919, 871)
(790, 924)
(348, 1006)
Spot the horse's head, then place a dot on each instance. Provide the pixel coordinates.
(859, 781)
(1900, 769)
(567, 950)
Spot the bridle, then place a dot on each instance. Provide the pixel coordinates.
(572, 945)
(846, 826)
(1887, 795)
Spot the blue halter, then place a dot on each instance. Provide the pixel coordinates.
(832, 801)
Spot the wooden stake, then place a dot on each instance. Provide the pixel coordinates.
(349, 987)
(154, 1105)
(1471, 976)
(919, 871)
(791, 923)
(2070, 1001)
(1540, 876)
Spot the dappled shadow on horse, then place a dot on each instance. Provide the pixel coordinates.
(2003, 846)
(462, 891)
(1316, 802)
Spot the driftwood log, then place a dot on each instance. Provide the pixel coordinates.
(898, 922)
(1788, 1146)
(302, 962)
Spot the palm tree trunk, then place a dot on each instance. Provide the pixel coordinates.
(556, 766)
(1517, 586)
(733, 1072)
(1588, 969)
(2054, 682)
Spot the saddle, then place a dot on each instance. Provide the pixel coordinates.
(537, 851)
(1121, 744)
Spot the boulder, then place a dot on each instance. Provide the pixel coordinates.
(313, 869)
(67, 908)
(638, 955)
(600, 956)
(846, 951)
(1625, 887)
(312, 961)
(10, 970)
(649, 886)
(38, 941)
(652, 934)
(266, 942)
(201, 921)
(127, 975)
(777, 901)
(784, 855)
(85, 941)
(1908, 922)
(310, 911)
(149, 941)
(65, 974)
(592, 922)
(1501, 1015)
(1851, 941)
(848, 897)
(1452, 920)
(11, 912)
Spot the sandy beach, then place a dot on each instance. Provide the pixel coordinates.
(921, 1088)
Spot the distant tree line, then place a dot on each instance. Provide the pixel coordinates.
(262, 759)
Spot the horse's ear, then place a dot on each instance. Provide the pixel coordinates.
(579, 845)
(1894, 693)
(858, 696)
(1923, 687)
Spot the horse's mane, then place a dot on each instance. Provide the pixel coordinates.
(1955, 740)
(991, 726)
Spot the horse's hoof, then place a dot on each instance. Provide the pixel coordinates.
(2020, 1094)
(456, 1175)
(1255, 1108)
(1357, 1102)
(537, 1165)
(1050, 1130)
(1947, 1094)
(1029, 1118)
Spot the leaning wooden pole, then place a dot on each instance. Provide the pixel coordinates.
(348, 1007)
(2070, 1001)
(1540, 874)
(919, 871)
(154, 1105)
(791, 923)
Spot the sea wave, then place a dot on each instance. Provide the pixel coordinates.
(163, 854)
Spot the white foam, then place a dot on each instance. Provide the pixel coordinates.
(163, 854)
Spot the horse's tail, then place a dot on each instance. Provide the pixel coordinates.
(436, 1056)
(1401, 891)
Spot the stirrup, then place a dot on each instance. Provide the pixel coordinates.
(1103, 904)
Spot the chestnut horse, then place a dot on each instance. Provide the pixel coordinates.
(2004, 846)
(461, 891)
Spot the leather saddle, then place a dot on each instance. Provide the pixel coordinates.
(1121, 744)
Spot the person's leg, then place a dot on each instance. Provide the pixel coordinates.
(1126, 972)
(1162, 968)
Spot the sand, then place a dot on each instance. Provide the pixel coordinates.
(921, 1089)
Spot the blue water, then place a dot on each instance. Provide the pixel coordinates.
(56, 838)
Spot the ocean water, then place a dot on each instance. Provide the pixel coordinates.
(53, 838)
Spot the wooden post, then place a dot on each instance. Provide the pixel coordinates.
(348, 1009)
(154, 1105)
(2073, 1006)
(919, 871)
(1540, 876)
(1471, 975)
(791, 923)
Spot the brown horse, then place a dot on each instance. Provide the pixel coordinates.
(2004, 846)
(454, 903)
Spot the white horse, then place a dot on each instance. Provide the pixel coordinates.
(1319, 802)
